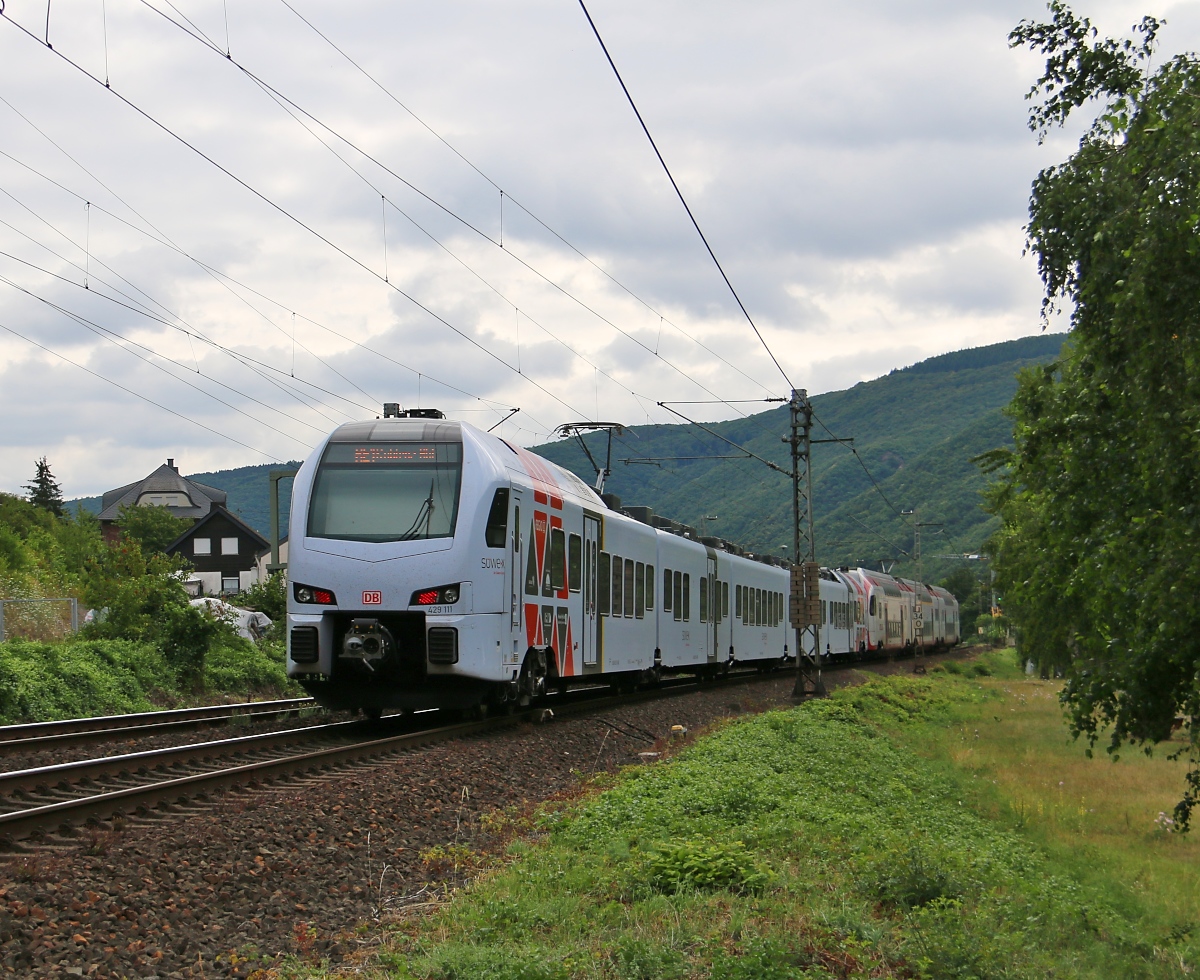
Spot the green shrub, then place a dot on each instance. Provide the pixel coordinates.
(237, 666)
(46, 681)
(687, 865)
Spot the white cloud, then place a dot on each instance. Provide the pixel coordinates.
(861, 169)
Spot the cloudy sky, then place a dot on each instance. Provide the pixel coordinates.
(220, 258)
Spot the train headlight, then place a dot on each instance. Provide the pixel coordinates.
(441, 595)
(310, 595)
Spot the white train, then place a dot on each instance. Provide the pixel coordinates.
(434, 565)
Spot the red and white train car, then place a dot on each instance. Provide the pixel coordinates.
(434, 565)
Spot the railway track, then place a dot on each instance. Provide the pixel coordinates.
(50, 734)
(52, 801)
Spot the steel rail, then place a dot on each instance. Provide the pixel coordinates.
(32, 820)
(121, 723)
(134, 762)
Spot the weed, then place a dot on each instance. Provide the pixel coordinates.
(674, 866)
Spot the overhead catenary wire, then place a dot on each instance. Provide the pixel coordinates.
(291, 107)
(224, 278)
(299, 222)
(682, 200)
(506, 194)
(159, 237)
(151, 401)
(112, 336)
(145, 347)
(253, 364)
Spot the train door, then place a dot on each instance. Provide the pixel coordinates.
(591, 548)
(516, 606)
(710, 633)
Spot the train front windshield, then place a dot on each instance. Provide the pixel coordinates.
(385, 491)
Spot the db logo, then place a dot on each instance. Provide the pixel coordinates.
(372, 598)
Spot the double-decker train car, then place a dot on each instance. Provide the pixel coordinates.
(434, 565)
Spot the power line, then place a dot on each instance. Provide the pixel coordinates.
(246, 361)
(223, 278)
(682, 199)
(164, 241)
(287, 214)
(878, 488)
(116, 384)
(92, 325)
(280, 99)
(505, 195)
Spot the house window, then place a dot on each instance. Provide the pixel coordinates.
(229, 546)
(230, 584)
(201, 546)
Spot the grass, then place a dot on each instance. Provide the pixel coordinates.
(861, 836)
(1098, 818)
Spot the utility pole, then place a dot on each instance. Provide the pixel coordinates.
(805, 603)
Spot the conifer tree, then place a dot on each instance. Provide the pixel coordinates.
(44, 491)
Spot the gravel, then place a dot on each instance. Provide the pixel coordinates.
(227, 888)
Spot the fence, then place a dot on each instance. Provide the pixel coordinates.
(73, 603)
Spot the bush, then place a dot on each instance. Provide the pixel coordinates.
(237, 666)
(143, 599)
(46, 681)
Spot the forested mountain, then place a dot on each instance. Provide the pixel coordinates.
(914, 429)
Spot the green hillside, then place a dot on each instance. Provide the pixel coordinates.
(915, 429)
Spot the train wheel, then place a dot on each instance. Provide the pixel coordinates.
(532, 682)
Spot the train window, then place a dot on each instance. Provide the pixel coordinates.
(666, 590)
(649, 586)
(687, 597)
(575, 563)
(639, 588)
(386, 491)
(872, 608)
(725, 599)
(531, 574)
(629, 588)
(516, 530)
(677, 583)
(603, 596)
(704, 599)
(497, 522)
(737, 602)
(557, 579)
(618, 579)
